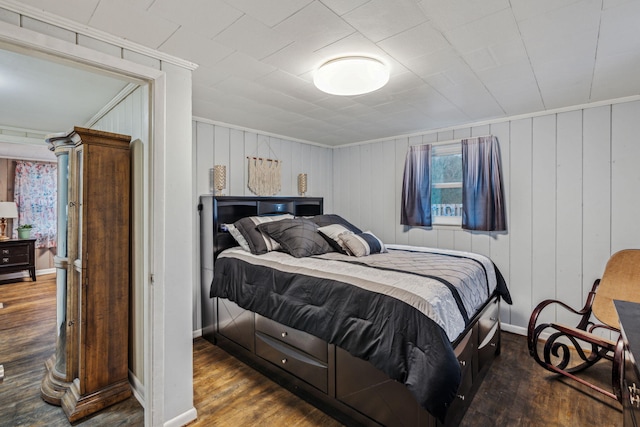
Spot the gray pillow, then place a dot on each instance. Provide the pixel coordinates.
(258, 242)
(298, 237)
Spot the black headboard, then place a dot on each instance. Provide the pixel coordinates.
(228, 209)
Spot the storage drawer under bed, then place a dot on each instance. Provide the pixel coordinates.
(488, 333)
(297, 352)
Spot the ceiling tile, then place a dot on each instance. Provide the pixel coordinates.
(244, 34)
(619, 30)
(484, 32)
(451, 14)
(195, 48)
(414, 42)
(616, 77)
(296, 59)
(204, 17)
(435, 63)
(244, 66)
(122, 18)
(340, 7)
(208, 76)
(380, 19)
(76, 10)
(269, 12)
(314, 26)
(526, 9)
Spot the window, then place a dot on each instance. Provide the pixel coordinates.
(446, 184)
(438, 189)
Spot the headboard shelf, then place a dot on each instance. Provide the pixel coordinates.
(220, 210)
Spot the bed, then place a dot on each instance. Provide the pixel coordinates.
(396, 335)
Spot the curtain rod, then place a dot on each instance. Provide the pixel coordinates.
(451, 141)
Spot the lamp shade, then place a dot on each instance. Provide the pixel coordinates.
(351, 75)
(8, 210)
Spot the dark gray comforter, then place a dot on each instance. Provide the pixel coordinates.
(403, 338)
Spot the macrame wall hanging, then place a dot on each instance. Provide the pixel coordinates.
(265, 173)
(264, 176)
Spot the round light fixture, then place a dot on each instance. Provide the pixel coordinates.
(351, 75)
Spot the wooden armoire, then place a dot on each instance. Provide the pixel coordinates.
(89, 370)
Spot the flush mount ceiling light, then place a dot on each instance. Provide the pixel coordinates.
(351, 75)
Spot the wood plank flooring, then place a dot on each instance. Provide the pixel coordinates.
(515, 392)
(27, 340)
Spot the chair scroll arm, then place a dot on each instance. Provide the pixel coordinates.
(533, 320)
(585, 312)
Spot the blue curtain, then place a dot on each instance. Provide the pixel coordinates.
(482, 190)
(416, 187)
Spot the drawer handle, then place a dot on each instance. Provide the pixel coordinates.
(284, 360)
(284, 334)
(5, 259)
(493, 319)
(493, 344)
(463, 362)
(461, 397)
(5, 251)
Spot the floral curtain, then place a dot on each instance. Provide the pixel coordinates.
(35, 196)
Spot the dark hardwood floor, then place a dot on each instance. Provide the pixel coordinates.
(27, 340)
(515, 392)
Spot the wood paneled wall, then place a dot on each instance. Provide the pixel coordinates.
(216, 144)
(571, 182)
(220, 145)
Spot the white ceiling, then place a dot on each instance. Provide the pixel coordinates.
(41, 95)
(452, 61)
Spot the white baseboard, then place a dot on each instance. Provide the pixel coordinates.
(513, 329)
(182, 419)
(138, 388)
(197, 333)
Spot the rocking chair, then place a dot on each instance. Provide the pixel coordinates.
(620, 281)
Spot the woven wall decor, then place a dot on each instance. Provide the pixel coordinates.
(264, 176)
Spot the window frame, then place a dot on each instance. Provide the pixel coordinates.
(438, 150)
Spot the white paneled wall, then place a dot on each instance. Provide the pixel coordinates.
(221, 145)
(571, 183)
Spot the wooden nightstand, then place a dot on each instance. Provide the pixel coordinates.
(629, 315)
(18, 255)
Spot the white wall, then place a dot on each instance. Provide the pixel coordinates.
(220, 144)
(571, 182)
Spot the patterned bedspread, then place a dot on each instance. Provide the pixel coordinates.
(399, 310)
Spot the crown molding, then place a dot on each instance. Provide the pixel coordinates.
(104, 36)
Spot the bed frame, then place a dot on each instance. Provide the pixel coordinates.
(349, 389)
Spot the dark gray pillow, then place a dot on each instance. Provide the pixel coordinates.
(298, 237)
(258, 242)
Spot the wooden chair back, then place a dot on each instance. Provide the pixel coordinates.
(620, 281)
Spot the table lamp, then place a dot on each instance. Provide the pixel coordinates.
(7, 210)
